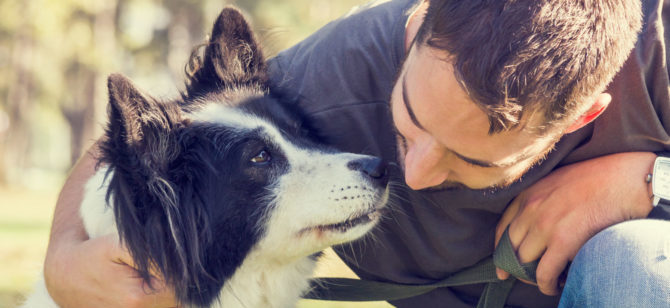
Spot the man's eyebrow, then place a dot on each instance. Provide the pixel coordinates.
(476, 162)
(405, 101)
(482, 163)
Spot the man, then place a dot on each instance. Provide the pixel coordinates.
(486, 90)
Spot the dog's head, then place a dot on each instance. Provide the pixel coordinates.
(202, 183)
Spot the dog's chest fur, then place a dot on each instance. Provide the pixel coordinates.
(259, 284)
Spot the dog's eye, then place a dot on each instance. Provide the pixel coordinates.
(263, 157)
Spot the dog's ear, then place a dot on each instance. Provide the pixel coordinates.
(139, 146)
(232, 57)
(232, 47)
(139, 125)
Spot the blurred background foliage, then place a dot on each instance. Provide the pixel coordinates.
(55, 56)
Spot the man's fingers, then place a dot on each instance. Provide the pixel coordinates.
(532, 247)
(507, 217)
(502, 275)
(510, 218)
(158, 295)
(116, 252)
(161, 296)
(551, 265)
(164, 299)
(519, 216)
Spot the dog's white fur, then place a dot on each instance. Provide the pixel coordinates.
(318, 190)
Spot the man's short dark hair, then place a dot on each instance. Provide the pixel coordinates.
(518, 57)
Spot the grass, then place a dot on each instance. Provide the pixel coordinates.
(25, 217)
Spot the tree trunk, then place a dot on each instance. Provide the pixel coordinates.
(15, 143)
(85, 108)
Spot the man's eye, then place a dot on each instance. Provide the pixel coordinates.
(263, 157)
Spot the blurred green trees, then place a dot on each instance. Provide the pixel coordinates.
(55, 56)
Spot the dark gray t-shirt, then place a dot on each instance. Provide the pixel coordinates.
(342, 77)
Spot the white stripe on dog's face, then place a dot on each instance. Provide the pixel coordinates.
(227, 116)
(318, 201)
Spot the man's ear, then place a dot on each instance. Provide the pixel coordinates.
(599, 105)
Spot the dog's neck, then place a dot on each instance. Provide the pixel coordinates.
(260, 283)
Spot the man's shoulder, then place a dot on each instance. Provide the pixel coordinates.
(353, 58)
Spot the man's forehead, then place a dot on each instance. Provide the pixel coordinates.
(437, 101)
(532, 120)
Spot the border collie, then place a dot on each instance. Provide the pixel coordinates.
(220, 191)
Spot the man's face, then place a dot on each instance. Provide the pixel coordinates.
(443, 137)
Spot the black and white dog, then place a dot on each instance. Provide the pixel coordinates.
(220, 192)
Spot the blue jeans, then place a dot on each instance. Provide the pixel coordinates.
(626, 265)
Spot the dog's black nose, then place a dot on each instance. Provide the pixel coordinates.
(374, 167)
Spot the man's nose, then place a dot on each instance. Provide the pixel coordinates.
(423, 167)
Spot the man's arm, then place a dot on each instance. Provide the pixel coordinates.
(83, 272)
(553, 218)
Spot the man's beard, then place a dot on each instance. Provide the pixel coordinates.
(446, 186)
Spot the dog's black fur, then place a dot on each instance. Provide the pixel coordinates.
(160, 160)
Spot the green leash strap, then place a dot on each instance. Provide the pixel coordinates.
(504, 257)
(346, 289)
(494, 295)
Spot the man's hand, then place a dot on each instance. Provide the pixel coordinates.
(554, 217)
(80, 272)
(96, 273)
